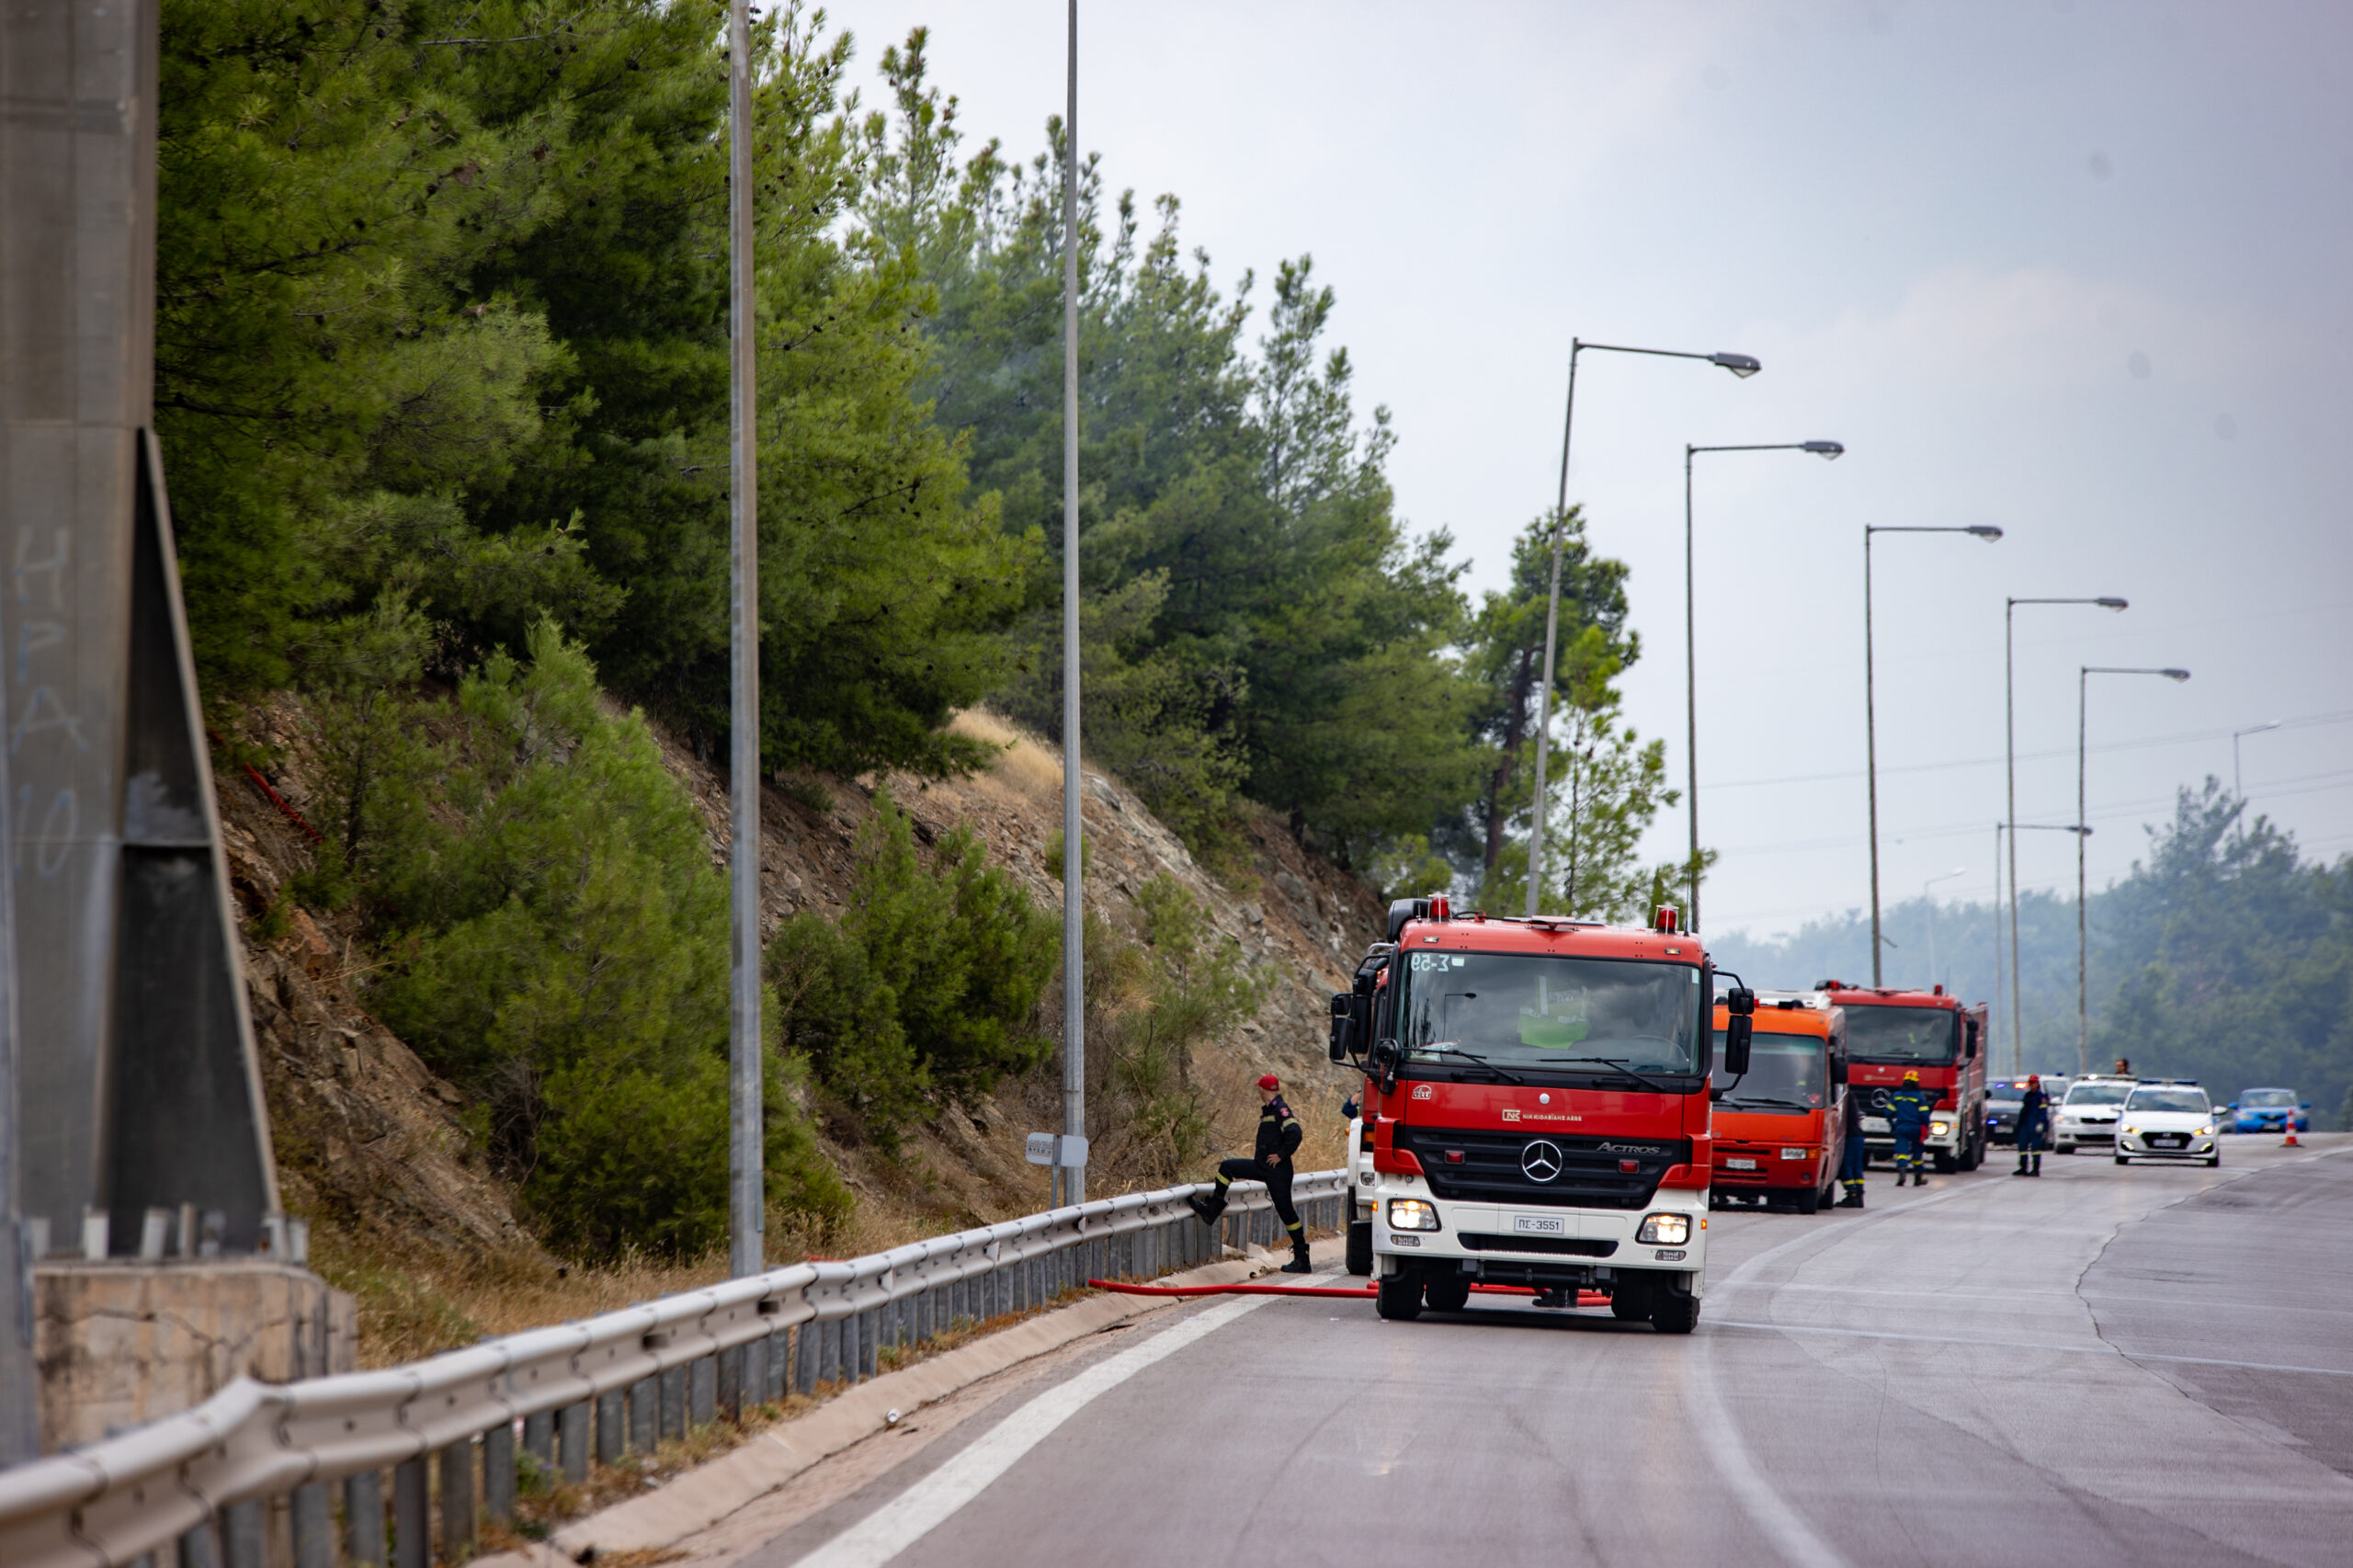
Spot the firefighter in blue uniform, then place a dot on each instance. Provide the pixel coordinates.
(2034, 1120)
(1907, 1117)
(1857, 1157)
(1270, 1161)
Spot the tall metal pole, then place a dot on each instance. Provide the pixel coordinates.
(20, 1375)
(2010, 768)
(1870, 750)
(1073, 1177)
(1552, 634)
(746, 1186)
(2083, 830)
(1690, 693)
(2083, 925)
(1994, 1017)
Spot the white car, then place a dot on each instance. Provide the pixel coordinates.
(2166, 1122)
(2088, 1113)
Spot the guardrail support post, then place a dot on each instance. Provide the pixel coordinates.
(870, 1337)
(728, 1373)
(200, 1549)
(314, 1528)
(644, 1414)
(363, 1517)
(571, 1424)
(804, 1357)
(457, 1501)
(498, 1472)
(703, 1389)
(241, 1538)
(611, 1432)
(779, 1363)
(538, 1440)
(674, 1402)
(412, 1515)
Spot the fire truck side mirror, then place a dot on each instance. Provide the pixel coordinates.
(1347, 1025)
(1740, 1002)
(1382, 1061)
(1737, 1029)
(1971, 1038)
(1838, 1070)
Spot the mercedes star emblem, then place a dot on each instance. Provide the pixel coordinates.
(1541, 1161)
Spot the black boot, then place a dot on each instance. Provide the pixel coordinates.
(1298, 1264)
(1854, 1198)
(1209, 1208)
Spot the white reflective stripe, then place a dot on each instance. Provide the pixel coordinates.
(931, 1502)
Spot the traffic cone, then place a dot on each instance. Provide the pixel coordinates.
(2288, 1125)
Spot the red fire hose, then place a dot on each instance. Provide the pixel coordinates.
(1584, 1297)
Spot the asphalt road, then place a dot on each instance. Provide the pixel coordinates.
(2143, 1365)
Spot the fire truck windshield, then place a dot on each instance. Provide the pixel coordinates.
(1520, 1011)
(1784, 1074)
(1916, 1037)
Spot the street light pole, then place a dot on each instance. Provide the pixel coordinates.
(2017, 1054)
(2237, 789)
(1931, 902)
(1870, 705)
(1740, 364)
(1829, 451)
(2082, 924)
(1072, 1179)
(747, 1219)
(2011, 763)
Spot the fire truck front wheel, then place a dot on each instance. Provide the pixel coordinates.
(1399, 1296)
(1446, 1292)
(1360, 1247)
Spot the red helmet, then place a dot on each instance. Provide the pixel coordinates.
(1271, 1082)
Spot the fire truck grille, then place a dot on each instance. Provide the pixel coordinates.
(1501, 1167)
(1567, 1246)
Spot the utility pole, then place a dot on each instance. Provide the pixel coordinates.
(1070, 1178)
(747, 1204)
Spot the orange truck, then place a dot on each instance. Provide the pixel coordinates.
(1892, 1031)
(1780, 1128)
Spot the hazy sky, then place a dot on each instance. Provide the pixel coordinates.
(2081, 270)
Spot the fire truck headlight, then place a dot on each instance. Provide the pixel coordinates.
(1411, 1215)
(1665, 1230)
(1940, 1128)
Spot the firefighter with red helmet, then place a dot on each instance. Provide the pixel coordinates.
(1907, 1117)
(1270, 1161)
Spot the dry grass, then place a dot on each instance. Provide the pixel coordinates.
(1026, 764)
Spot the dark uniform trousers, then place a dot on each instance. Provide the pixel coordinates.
(1279, 1133)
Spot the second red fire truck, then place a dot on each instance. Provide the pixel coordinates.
(1892, 1031)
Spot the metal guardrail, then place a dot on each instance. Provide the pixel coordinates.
(243, 1481)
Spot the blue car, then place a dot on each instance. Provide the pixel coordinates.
(2267, 1110)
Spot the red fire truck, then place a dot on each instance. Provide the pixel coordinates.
(1535, 1110)
(1892, 1031)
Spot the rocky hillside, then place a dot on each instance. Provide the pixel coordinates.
(377, 1150)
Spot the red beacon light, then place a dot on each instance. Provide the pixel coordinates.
(1440, 909)
(1667, 921)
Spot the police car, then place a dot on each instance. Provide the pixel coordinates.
(2088, 1113)
(2166, 1122)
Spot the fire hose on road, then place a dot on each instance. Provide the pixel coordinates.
(1584, 1297)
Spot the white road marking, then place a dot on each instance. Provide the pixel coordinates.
(2101, 1350)
(931, 1502)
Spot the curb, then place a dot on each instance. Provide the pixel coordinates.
(703, 1497)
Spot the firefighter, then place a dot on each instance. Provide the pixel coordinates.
(1858, 1156)
(2034, 1119)
(1907, 1117)
(1270, 1161)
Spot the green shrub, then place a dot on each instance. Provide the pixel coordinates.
(928, 986)
(559, 949)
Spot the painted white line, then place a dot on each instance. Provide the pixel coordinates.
(2109, 1351)
(931, 1502)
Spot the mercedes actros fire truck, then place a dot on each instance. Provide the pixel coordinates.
(1536, 1110)
(1892, 1031)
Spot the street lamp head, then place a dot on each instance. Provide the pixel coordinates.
(2110, 603)
(2175, 675)
(1741, 365)
(1986, 532)
(2080, 831)
(1830, 449)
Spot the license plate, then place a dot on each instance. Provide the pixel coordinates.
(1740, 1165)
(2167, 1139)
(1539, 1225)
(1874, 1124)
